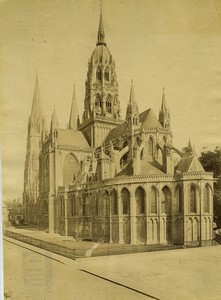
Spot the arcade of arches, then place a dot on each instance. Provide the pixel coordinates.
(138, 216)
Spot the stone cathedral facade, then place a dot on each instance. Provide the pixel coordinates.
(115, 180)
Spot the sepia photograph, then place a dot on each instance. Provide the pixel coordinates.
(110, 125)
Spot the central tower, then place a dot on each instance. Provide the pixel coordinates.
(101, 103)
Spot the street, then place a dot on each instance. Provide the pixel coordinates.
(29, 275)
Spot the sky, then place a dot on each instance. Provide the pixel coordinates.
(173, 44)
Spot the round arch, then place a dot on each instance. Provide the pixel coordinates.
(140, 200)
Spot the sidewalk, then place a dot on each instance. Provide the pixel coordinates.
(67, 246)
(52, 242)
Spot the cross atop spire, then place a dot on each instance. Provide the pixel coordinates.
(101, 33)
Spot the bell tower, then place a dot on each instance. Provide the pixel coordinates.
(101, 103)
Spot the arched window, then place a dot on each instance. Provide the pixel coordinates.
(160, 156)
(73, 205)
(125, 196)
(98, 74)
(193, 194)
(150, 147)
(62, 205)
(114, 202)
(179, 198)
(140, 200)
(106, 74)
(206, 199)
(166, 201)
(85, 211)
(70, 169)
(153, 197)
(106, 203)
(98, 101)
(109, 104)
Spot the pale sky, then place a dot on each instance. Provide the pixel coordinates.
(172, 43)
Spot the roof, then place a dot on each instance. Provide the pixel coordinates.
(74, 138)
(149, 120)
(117, 132)
(146, 168)
(189, 164)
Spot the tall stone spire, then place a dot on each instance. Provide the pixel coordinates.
(36, 129)
(73, 120)
(132, 108)
(36, 117)
(101, 102)
(164, 114)
(36, 109)
(54, 120)
(101, 33)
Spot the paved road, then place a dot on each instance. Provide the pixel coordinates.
(31, 275)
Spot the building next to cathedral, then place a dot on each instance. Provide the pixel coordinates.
(111, 180)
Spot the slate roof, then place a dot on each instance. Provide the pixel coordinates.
(117, 132)
(147, 120)
(73, 138)
(147, 168)
(189, 164)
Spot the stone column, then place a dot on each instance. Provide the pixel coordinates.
(133, 226)
(185, 212)
(147, 202)
(65, 214)
(110, 217)
(120, 220)
(51, 214)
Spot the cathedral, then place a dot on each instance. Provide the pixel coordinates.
(114, 180)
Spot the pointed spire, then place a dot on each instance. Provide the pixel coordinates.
(132, 108)
(163, 105)
(132, 96)
(36, 110)
(74, 117)
(54, 120)
(101, 33)
(164, 114)
(190, 145)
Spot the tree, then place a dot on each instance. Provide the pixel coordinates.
(211, 162)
